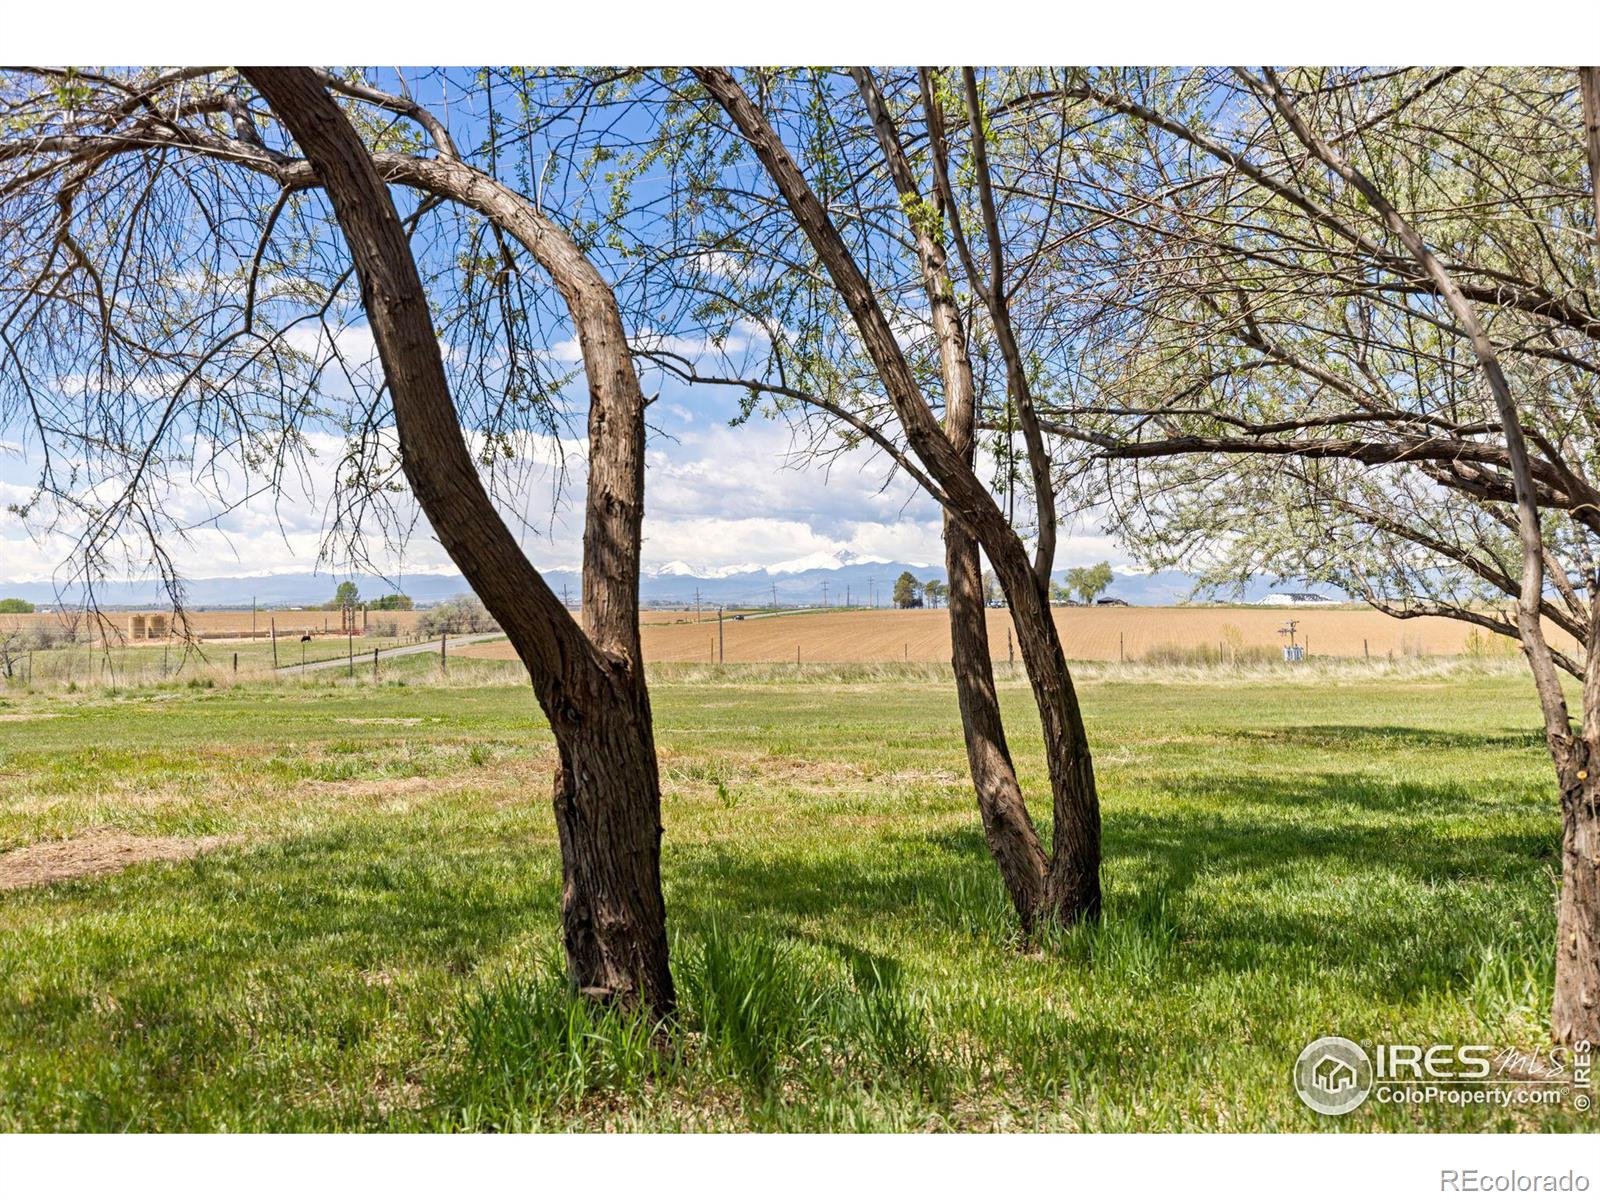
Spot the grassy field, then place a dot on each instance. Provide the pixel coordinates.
(370, 940)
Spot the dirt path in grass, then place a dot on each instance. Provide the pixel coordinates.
(95, 853)
(430, 647)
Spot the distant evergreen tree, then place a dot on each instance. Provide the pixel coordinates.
(905, 591)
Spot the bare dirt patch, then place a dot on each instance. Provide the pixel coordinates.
(408, 785)
(40, 716)
(96, 852)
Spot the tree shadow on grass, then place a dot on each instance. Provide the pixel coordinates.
(1388, 736)
(1399, 906)
(1392, 889)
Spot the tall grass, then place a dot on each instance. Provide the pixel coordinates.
(754, 1015)
(1167, 654)
(532, 1045)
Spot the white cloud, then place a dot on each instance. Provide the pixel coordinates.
(718, 500)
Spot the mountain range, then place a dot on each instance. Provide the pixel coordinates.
(804, 582)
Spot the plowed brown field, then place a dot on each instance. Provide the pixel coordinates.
(1088, 633)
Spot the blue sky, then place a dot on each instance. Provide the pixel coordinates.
(718, 499)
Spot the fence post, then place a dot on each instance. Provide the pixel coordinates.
(1121, 652)
(374, 664)
(350, 646)
(1365, 653)
(274, 643)
(442, 636)
(235, 662)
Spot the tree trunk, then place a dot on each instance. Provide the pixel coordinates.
(1072, 885)
(1072, 889)
(590, 685)
(608, 817)
(1006, 825)
(1575, 1013)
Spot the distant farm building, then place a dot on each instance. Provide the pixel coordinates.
(1295, 598)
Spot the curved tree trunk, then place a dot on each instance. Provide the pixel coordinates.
(1072, 887)
(589, 684)
(1006, 825)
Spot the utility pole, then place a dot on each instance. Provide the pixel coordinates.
(697, 606)
(824, 593)
(847, 595)
(774, 594)
(721, 656)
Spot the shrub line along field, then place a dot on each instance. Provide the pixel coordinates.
(321, 903)
(1106, 634)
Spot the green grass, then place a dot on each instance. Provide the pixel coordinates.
(1288, 854)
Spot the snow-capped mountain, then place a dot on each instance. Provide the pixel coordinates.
(827, 578)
